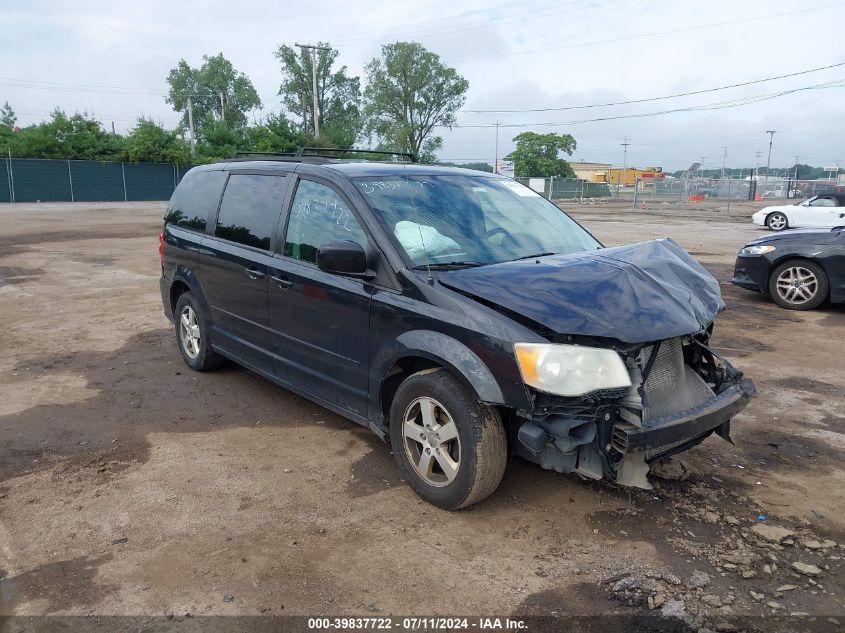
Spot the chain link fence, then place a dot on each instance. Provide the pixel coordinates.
(666, 189)
(42, 180)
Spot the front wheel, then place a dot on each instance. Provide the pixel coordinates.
(451, 447)
(798, 285)
(777, 222)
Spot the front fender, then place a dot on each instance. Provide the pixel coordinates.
(465, 363)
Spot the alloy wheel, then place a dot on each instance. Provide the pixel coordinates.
(777, 222)
(797, 285)
(431, 441)
(189, 332)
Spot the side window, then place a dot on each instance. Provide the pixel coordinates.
(250, 209)
(319, 215)
(195, 199)
(823, 202)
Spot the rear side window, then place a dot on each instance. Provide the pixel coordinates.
(195, 199)
(250, 209)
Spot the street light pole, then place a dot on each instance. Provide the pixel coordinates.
(496, 162)
(191, 126)
(313, 49)
(625, 145)
(771, 134)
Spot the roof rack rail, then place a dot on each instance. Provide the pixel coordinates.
(325, 152)
(318, 151)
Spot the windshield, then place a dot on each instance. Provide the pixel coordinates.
(471, 220)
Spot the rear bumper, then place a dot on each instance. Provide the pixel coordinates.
(164, 287)
(673, 432)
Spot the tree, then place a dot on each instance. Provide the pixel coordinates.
(409, 93)
(537, 155)
(218, 94)
(7, 116)
(273, 134)
(150, 142)
(338, 95)
(71, 137)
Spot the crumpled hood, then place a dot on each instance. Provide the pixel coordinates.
(636, 293)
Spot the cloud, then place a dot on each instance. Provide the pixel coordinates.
(529, 54)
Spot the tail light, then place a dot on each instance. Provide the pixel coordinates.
(161, 248)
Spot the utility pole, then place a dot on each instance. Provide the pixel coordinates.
(313, 50)
(191, 125)
(724, 161)
(496, 162)
(757, 168)
(624, 145)
(771, 134)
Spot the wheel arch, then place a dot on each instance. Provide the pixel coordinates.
(420, 350)
(185, 280)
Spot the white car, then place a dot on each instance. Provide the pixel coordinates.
(819, 211)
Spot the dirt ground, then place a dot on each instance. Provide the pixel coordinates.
(130, 485)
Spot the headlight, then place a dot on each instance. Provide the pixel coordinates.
(756, 250)
(570, 370)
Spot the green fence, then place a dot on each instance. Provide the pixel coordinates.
(567, 188)
(37, 180)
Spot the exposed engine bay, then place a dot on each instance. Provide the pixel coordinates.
(681, 392)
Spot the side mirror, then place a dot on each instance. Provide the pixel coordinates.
(344, 258)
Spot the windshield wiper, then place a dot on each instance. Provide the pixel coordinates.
(446, 265)
(533, 256)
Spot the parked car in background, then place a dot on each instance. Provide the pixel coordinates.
(456, 313)
(798, 269)
(822, 210)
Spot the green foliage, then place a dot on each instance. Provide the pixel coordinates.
(273, 134)
(75, 137)
(410, 91)
(7, 116)
(150, 142)
(219, 95)
(338, 95)
(536, 155)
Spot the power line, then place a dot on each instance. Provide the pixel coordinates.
(718, 105)
(506, 19)
(672, 96)
(696, 27)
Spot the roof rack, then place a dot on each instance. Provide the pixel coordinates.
(324, 152)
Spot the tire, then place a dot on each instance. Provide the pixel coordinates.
(192, 334)
(476, 454)
(798, 284)
(777, 221)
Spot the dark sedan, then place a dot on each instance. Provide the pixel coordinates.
(799, 270)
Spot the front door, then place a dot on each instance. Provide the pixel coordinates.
(320, 320)
(819, 212)
(234, 267)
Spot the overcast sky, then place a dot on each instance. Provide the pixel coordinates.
(112, 58)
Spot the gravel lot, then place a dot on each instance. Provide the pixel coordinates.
(131, 485)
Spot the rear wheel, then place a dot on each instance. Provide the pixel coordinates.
(777, 222)
(798, 285)
(451, 447)
(192, 334)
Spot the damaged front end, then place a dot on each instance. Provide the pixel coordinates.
(681, 392)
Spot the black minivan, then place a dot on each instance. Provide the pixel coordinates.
(456, 312)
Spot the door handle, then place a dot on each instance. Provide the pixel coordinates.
(281, 281)
(254, 273)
